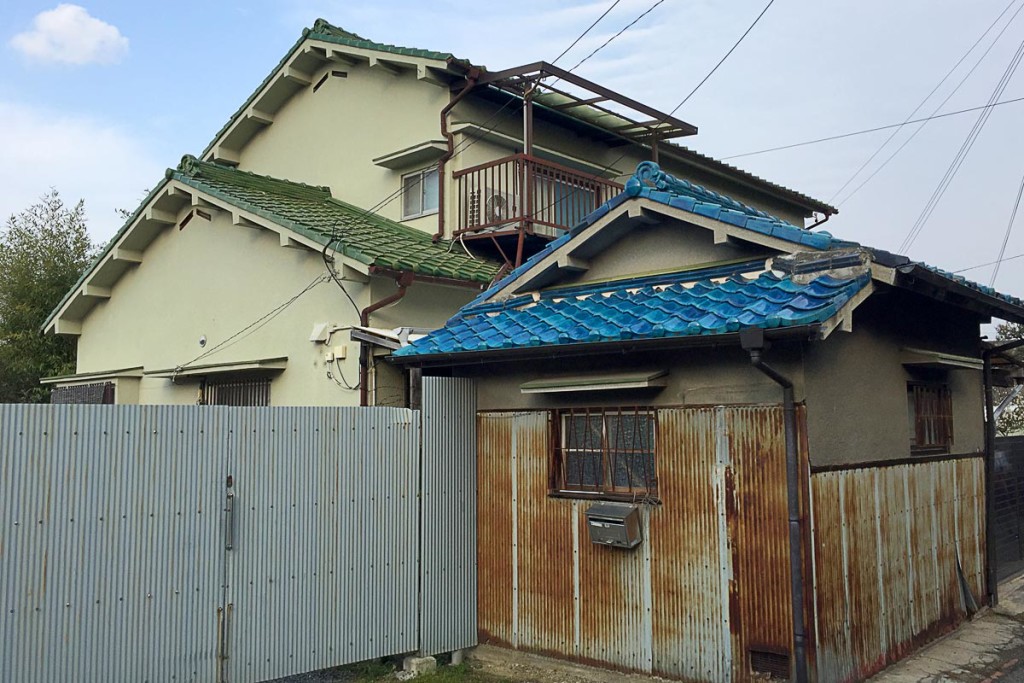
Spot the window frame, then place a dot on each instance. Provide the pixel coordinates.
(421, 175)
(607, 489)
(938, 420)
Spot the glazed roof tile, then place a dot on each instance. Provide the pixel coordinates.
(683, 304)
(311, 211)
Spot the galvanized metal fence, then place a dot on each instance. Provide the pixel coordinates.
(204, 543)
(1008, 497)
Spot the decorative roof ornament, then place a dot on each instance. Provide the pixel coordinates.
(189, 165)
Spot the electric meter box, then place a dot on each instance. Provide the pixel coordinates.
(614, 524)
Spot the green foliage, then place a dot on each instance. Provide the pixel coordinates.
(1012, 419)
(43, 251)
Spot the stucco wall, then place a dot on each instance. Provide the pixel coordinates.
(857, 385)
(213, 279)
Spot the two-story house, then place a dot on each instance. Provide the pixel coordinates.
(362, 193)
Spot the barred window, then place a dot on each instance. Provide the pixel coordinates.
(239, 392)
(930, 412)
(607, 451)
(96, 393)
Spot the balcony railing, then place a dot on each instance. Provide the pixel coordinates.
(524, 193)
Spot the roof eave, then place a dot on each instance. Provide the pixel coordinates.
(730, 339)
(917, 278)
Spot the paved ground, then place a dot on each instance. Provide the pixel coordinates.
(989, 648)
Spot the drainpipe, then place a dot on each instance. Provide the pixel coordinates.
(403, 281)
(752, 341)
(471, 79)
(991, 560)
(816, 223)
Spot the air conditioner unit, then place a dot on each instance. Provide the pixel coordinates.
(489, 206)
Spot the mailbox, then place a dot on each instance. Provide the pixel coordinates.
(614, 524)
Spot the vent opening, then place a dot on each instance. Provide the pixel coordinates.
(773, 664)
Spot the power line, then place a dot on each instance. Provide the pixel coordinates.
(589, 28)
(1006, 237)
(990, 263)
(722, 60)
(871, 130)
(961, 155)
(621, 31)
(929, 95)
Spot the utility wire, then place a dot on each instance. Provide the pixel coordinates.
(872, 130)
(1006, 237)
(929, 95)
(725, 57)
(990, 263)
(962, 153)
(589, 28)
(621, 31)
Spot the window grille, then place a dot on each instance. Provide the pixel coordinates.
(930, 409)
(243, 392)
(96, 393)
(607, 451)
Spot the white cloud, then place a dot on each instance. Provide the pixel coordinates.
(83, 158)
(68, 34)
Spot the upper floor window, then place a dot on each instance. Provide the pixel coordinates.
(930, 412)
(419, 193)
(605, 451)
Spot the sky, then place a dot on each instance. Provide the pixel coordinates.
(98, 98)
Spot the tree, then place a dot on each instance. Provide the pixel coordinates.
(1012, 419)
(43, 251)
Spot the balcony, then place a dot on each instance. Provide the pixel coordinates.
(525, 200)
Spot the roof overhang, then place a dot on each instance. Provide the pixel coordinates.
(797, 333)
(922, 358)
(617, 381)
(98, 376)
(242, 367)
(917, 278)
(586, 102)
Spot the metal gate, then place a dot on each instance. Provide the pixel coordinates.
(1008, 498)
(205, 543)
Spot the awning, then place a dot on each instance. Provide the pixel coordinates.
(261, 366)
(652, 379)
(934, 359)
(97, 376)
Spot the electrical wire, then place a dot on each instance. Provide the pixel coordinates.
(1006, 237)
(961, 154)
(253, 326)
(589, 29)
(722, 60)
(621, 31)
(990, 263)
(929, 95)
(875, 129)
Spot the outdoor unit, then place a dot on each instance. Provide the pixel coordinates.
(614, 524)
(490, 206)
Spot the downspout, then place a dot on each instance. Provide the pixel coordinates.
(474, 74)
(404, 280)
(991, 560)
(815, 224)
(752, 340)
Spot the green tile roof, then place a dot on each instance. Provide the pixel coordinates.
(311, 211)
(324, 30)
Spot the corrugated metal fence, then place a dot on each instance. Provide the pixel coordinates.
(1008, 498)
(202, 543)
(896, 551)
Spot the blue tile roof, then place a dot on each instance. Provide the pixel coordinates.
(681, 305)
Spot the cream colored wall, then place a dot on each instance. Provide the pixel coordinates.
(213, 279)
(330, 137)
(668, 246)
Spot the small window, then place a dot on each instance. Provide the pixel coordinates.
(419, 193)
(930, 412)
(605, 451)
(238, 392)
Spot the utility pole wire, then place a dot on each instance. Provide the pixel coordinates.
(1006, 237)
(990, 263)
(929, 95)
(596, 22)
(962, 153)
(725, 57)
(872, 130)
(621, 31)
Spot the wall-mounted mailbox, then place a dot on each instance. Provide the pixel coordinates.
(614, 524)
